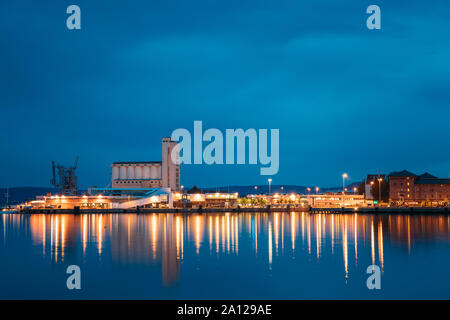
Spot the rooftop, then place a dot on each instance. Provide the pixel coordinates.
(432, 181)
(426, 175)
(404, 173)
(424, 178)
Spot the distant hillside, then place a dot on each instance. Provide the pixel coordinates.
(21, 194)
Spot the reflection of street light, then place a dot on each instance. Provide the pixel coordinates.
(270, 181)
(317, 189)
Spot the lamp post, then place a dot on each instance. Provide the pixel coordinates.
(317, 189)
(270, 181)
(379, 189)
(344, 175)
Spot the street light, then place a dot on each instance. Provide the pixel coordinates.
(309, 189)
(379, 189)
(355, 189)
(270, 181)
(317, 189)
(344, 176)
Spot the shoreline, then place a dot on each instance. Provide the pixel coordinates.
(376, 210)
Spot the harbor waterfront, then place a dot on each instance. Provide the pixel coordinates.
(343, 210)
(246, 255)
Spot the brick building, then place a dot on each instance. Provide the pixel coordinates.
(425, 189)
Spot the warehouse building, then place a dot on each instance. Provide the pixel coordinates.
(148, 174)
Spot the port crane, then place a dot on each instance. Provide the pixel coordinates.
(64, 178)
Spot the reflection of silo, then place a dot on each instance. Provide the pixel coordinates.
(131, 239)
(170, 263)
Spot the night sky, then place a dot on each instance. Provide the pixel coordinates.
(345, 98)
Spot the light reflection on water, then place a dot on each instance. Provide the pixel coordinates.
(273, 240)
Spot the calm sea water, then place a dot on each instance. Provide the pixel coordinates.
(224, 256)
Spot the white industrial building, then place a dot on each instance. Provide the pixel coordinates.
(148, 174)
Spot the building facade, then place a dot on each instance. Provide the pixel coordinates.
(405, 186)
(370, 180)
(170, 173)
(148, 174)
(144, 174)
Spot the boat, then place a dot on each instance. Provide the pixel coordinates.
(8, 211)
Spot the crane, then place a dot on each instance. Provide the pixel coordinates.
(64, 178)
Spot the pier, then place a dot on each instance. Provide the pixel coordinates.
(268, 209)
(382, 210)
(165, 210)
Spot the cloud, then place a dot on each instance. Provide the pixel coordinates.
(137, 71)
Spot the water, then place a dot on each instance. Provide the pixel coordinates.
(224, 256)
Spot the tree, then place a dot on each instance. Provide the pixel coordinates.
(262, 202)
(384, 190)
(244, 201)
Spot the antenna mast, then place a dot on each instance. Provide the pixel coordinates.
(7, 197)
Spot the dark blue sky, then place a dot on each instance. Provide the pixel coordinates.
(346, 99)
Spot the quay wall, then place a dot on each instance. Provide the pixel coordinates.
(376, 210)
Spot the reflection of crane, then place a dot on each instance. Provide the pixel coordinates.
(67, 180)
